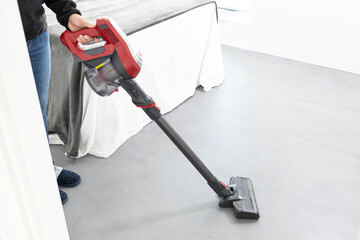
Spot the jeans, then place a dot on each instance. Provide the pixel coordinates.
(39, 52)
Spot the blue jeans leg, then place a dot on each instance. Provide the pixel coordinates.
(39, 52)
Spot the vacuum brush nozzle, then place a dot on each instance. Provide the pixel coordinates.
(242, 200)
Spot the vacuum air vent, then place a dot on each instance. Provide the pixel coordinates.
(111, 36)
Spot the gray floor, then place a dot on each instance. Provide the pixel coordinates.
(293, 128)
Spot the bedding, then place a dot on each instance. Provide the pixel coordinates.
(181, 51)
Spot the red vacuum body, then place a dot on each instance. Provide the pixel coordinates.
(109, 58)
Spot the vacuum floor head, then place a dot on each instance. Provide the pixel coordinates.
(242, 200)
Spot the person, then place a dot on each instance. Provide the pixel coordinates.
(37, 38)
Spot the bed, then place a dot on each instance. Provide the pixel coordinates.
(181, 50)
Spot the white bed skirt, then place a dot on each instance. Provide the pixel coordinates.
(178, 55)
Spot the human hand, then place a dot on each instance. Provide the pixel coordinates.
(77, 22)
(85, 39)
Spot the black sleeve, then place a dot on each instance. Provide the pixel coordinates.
(63, 9)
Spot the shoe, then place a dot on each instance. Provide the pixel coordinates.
(68, 179)
(63, 197)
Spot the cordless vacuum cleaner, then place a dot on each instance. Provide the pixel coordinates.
(110, 62)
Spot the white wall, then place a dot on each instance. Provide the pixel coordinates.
(30, 206)
(321, 32)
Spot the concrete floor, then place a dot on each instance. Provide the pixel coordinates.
(293, 128)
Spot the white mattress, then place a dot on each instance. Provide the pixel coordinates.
(178, 55)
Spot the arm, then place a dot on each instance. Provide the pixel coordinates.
(63, 9)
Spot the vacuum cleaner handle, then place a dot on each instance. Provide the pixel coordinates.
(69, 39)
(116, 45)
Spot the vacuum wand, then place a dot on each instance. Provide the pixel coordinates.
(219, 187)
(142, 100)
(239, 194)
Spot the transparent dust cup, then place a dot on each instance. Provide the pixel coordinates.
(103, 79)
